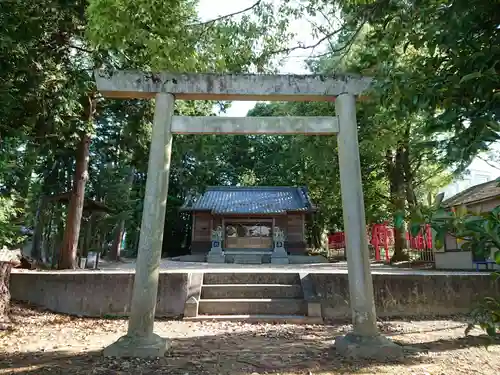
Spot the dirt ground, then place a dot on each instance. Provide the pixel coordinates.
(46, 343)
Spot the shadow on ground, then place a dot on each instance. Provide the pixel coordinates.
(454, 344)
(304, 350)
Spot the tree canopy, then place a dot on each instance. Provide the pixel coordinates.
(433, 107)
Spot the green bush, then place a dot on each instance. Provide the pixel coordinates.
(480, 234)
(10, 234)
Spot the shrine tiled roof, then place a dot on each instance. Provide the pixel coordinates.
(250, 200)
(486, 191)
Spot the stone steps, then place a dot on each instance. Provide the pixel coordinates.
(251, 278)
(252, 306)
(270, 297)
(272, 319)
(247, 258)
(214, 291)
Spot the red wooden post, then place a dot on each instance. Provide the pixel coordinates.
(428, 230)
(375, 243)
(386, 234)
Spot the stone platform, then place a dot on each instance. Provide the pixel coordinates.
(236, 257)
(260, 290)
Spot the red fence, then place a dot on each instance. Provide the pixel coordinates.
(382, 236)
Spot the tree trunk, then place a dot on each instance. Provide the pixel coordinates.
(397, 186)
(5, 268)
(36, 251)
(399, 246)
(114, 252)
(29, 162)
(87, 243)
(59, 236)
(411, 198)
(67, 257)
(47, 238)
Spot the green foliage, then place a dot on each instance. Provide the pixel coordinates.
(409, 91)
(482, 236)
(487, 316)
(41, 73)
(435, 83)
(311, 161)
(407, 159)
(10, 234)
(157, 34)
(480, 233)
(47, 88)
(9, 199)
(438, 58)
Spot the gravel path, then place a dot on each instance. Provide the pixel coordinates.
(46, 343)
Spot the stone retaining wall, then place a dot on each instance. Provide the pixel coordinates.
(95, 294)
(398, 295)
(108, 293)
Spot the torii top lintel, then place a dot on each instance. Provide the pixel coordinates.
(200, 86)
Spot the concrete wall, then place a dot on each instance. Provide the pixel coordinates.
(101, 294)
(407, 294)
(454, 260)
(95, 293)
(459, 260)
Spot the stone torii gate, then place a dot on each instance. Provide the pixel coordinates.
(140, 341)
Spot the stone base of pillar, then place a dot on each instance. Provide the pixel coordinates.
(216, 257)
(191, 308)
(279, 256)
(138, 347)
(278, 260)
(368, 347)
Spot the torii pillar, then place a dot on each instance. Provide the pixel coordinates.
(364, 341)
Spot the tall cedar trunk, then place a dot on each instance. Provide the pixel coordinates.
(87, 243)
(44, 214)
(67, 257)
(47, 242)
(114, 252)
(5, 268)
(397, 185)
(36, 251)
(29, 162)
(97, 241)
(408, 173)
(59, 236)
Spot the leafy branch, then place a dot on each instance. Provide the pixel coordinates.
(326, 37)
(226, 16)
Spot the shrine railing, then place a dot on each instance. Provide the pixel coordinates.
(381, 237)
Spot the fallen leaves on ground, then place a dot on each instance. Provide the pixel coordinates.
(45, 343)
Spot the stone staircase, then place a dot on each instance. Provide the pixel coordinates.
(247, 257)
(272, 297)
